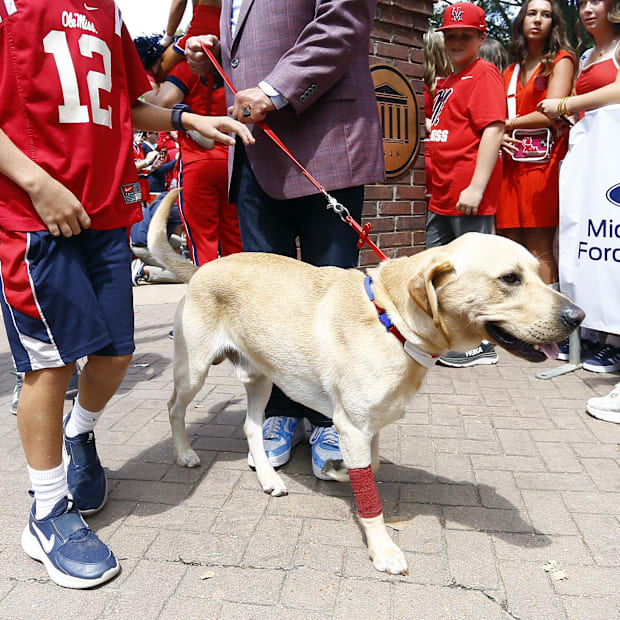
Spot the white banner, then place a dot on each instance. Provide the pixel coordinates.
(589, 232)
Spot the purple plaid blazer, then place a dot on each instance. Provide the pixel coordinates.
(315, 53)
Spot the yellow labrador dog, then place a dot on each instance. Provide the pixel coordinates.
(316, 333)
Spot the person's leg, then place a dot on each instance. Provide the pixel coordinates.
(228, 221)
(514, 234)
(324, 240)
(485, 352)
(438, 230)
(539, 241)
(198, 210)
(51, 319)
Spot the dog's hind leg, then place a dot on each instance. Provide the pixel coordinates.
(189, 372)
(258, 390)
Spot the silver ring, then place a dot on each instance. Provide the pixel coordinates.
(246, 111)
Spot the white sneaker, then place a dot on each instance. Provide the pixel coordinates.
(280, 435)
(606, 407)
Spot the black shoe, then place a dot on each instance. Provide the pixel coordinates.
(484, 353)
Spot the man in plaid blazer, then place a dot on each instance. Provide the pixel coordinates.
(303, 67)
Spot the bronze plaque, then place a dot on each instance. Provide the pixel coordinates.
(399, 113)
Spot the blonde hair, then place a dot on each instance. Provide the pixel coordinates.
(436, 62)
(493, 51)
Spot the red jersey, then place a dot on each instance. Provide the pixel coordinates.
(70, 74)
(598, 74)
(202, 98)
(465, 103)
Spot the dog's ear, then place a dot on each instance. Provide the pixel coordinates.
(422, 286)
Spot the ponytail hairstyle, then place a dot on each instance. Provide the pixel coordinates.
(436, 62)
(557, 39)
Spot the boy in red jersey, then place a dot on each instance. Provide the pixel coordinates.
(69, 85)
(466, 133)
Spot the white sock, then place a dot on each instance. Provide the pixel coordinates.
(49, 486)
(81, 420)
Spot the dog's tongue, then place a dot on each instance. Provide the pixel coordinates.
(551, 350)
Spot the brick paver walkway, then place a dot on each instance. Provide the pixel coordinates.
(495, 473)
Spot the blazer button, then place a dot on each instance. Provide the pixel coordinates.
(303, 98)
(234, 63)
(313, 87)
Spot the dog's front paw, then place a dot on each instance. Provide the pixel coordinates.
(188, 458)
(273, 484)
(389, 559)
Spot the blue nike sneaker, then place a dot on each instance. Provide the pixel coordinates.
(85, 475)
(325, 443)
(72, 554)
(280, 435)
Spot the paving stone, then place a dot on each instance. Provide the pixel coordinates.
(472, 560)
(479, 428)
(47, 600)
(597, 503)
(516, 442)
(541, 548)
(467, 446)
(440, 603)
(200, 547)
(145, 491)
(498, 490)
(310, 506)
(444, 494)
(602, 535)
(326, 558)
(273, 542)
(418, 451)
(548, 513)
(131, 542)
(559, 457)
(190, 608)
(424, 534)
(233, 584)
(360, 599)
(589, 609)
(508, 463)
(591, 581)
(595, 450)
(310, 590)
(165, 517)
(554, 482)
(237, 611)
(604, 472)
(529, 593)
(486, 519)
(453, 469)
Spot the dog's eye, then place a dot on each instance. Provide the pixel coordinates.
(511, 278)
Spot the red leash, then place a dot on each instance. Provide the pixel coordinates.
(332, 203)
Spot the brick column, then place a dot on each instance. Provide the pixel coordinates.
(397, 208)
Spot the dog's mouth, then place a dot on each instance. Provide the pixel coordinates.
(530, 352)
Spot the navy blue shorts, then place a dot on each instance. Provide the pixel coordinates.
(66, 298)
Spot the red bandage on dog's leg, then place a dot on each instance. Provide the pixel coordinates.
(366, 492)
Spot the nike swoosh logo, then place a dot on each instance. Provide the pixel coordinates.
(90, 8)
(467, 77)
(47, 545)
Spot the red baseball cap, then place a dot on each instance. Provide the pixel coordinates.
(464, 15)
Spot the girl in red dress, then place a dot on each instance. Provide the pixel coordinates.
(544, 65)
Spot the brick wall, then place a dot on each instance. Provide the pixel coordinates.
(397, 208)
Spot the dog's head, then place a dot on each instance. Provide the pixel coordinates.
(488, 287)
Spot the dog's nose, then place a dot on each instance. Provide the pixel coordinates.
(572, 315)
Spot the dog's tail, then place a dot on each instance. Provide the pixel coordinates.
(158, 241)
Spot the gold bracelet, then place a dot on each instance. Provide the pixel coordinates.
(562, 106)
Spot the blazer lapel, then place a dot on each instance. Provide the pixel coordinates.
(243, 13)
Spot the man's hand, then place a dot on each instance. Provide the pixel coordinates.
(60, 210)
(197, 60)
(469, 201)
(216, 128)
(251, 105)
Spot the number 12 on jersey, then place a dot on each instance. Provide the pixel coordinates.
(71, 110)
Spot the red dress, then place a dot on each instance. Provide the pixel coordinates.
(529, 195)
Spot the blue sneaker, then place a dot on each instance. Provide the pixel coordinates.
(325, 444)
(72, 554)
(280, 435)
(563, 350)
(606, 359)
(85, 476)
